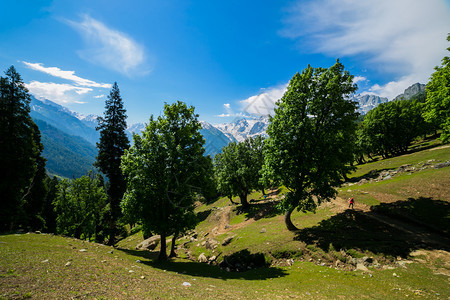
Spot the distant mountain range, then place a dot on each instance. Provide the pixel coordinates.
(70, 138)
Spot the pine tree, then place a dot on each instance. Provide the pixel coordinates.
(20, 150)
(112, 144)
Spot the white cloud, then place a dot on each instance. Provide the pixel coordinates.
(357, 79)
(392, 89)
(264, 103)
(59, 93)
(227, 105)
(69, 75)
(405, 39)
(110, 48)
(99, 96)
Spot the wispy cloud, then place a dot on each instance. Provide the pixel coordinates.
(110, 48)
(57, 92)
(62, 93)
(403, 38)
(263, 104)
(69, 75)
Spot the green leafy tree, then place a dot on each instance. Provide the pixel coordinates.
(391, 127)
(77, 205)
(164, 171)
(20, 152)
(311, 137)
(437, 110)
(113, 142)
(238, 169)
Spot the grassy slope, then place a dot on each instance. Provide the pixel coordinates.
(99, 274)
(35, 266)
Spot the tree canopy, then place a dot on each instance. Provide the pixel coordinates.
(437, 110)
(164, 169)
(311, 137)
(238, 168)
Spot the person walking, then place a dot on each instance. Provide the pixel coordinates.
(351, 202)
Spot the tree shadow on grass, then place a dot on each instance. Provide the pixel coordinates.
(363, 231)
(259, 211)
(203, 270)
(423, 211)
(201, 216)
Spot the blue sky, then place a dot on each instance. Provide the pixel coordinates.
(226, 58)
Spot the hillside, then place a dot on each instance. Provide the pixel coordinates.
(67, 156)
(394, 244)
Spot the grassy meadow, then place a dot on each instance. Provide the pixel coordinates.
(400, 223)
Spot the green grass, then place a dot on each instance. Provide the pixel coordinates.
(439, 155)
(34, 265)
(97, 274)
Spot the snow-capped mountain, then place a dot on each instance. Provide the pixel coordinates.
(244, 128)
(368, 102)
(136, 128)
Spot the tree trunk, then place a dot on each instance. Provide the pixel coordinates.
(112, 231)
(287, 220)
(162, 252)
(244, 201)
(172, 247)
(231, 200)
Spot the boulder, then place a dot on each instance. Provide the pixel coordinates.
(149, 244)
(227, 241)
(202, 258)
(211, 244)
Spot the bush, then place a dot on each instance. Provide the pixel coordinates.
(242, 261)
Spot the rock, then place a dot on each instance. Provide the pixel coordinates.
(203, 243)
(211, 244)
(442, 165)
(111, 252)
(290, 262)
(212, 258)
(138, 261)
(227, 241)
(263, 230)
(68, 263)
(195, 235)
(186, 283)
(202, 258)
(361, 267)
(37, 232)
(149, 244)
(44, 261)
(142, 277)
(83, 250)
(227, 226)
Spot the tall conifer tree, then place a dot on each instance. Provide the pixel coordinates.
(20, 150)
(112, 144)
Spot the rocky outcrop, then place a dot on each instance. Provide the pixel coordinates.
(149, 244)
(411, 91)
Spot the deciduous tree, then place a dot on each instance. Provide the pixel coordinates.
(311, 137)
(437, 109)
(164, 171)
